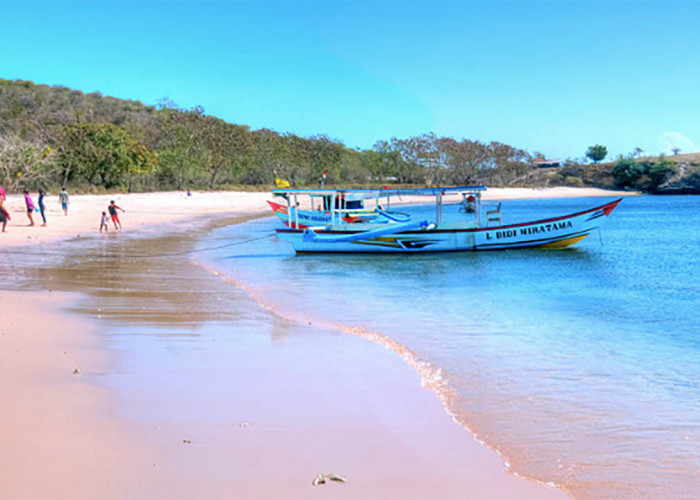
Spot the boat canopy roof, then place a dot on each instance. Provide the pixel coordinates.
(361, 194)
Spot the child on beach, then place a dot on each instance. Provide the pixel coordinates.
(4, 215)
(112, 208)
(103, 222)
(63, 198)
(30, 207)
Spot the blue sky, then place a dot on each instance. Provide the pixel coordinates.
(554, 77)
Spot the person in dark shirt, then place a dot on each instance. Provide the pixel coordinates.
(42, 207)
(112, 208)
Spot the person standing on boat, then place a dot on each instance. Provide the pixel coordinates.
(112, 208)
(470, 204)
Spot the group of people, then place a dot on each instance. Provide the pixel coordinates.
(63, 198)
(31, 208)
(114, 215)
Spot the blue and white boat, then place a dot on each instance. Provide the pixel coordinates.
(481, 227)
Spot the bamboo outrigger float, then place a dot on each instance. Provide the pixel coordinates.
(340, 224)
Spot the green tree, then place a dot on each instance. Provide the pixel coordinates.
(325, 156)
(198, 145)
(269, 158)
(409, 170)
(467, 160)
(224, 147)
(178, 164)
(597, 153)
(24, 164)
(382, 161)
(101, 153)
(661, 170)
(627, 172)
(510, 164)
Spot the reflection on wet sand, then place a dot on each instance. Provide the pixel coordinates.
(149, 281)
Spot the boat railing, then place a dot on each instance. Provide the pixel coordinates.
(395, 216)
(359, 211)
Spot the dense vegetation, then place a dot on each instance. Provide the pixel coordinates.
(51, 136)
(678, 174)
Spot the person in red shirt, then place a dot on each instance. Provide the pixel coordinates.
(113, 214)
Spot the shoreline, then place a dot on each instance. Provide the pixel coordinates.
(65, 436)
(386, 434)
(89, 417)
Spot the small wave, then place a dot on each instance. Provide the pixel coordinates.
(431, 377)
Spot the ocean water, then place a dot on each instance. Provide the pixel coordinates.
(581, 367)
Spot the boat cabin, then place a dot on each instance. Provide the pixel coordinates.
(339, 206)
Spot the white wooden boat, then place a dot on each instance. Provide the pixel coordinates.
(300, 208)
(475, 232)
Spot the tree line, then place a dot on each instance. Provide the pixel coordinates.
(52, 136)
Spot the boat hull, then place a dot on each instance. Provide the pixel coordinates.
(558, 232)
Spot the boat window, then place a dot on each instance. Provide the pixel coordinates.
(354, 204)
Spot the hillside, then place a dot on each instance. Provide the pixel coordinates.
(677, 174)
(52, 136)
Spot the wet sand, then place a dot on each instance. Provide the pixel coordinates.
(187, 388)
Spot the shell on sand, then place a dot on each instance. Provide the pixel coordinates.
(321, 478)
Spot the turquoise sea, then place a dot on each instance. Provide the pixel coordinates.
(581, 367)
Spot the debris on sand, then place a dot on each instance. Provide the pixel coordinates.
(321, 478)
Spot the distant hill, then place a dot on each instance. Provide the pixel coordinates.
(53, 135)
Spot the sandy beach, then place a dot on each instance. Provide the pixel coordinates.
(87, 414)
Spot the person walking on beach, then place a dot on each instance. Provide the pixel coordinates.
(113, 213)
(4, 214)
(30, 207)
(2, 194)
(103, 222)
(42, 207)
(63, 198)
